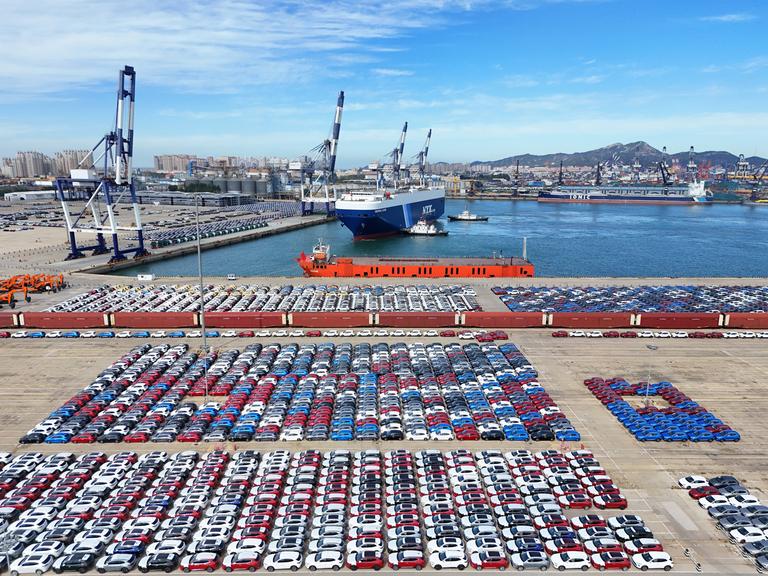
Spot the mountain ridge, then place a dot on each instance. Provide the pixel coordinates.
(621, 153)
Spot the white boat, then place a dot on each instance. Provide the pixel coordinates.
(467, 216)
(424, 228)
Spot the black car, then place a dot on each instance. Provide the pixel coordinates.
(157, 562)
(719, 481)
(77, 562)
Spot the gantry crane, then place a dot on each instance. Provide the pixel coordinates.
(104, 191)
(318, 177)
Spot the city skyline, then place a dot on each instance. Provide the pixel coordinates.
(492, 79)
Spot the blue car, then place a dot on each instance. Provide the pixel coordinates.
(212, 334)
(176, 334)
(106, 334)
(140, 334)
(70, 334)
(36, 334)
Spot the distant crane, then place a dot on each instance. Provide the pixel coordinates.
(397, 156)
(598, 176)
(692, 169)
(422, 159)
(758, 178)
(560, 175)
(104, 192)
(320, 173)
(666, 178)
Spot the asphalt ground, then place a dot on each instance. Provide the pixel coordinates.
(725, 376)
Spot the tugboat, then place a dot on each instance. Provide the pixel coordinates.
(467, 216)
(424, 228)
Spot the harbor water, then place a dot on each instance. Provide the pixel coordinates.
(563, 240)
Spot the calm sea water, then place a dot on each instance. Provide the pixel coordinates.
(563, 240)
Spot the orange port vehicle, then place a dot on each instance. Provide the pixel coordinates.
(321, 264)
(9, 298)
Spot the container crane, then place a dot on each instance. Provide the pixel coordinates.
(559, 174)
(598, 176)
(666, 178)
(397, 156)
(315, 188)
(102, 194)
(422, 159)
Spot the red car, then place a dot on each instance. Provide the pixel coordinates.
(610, 501)
(628, 334)
(242, 563)
(611, 334)
(703, 491)
(610, 561)
(488, 559)
(207, 561)
(365, 560)
(246, 334)
(5, 334)
(313, 334)
(407, 559)
(448, 333)
(559, 334)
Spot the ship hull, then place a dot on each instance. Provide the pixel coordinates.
(608, 195)
(378, 219)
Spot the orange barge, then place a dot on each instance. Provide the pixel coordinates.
(321, 264)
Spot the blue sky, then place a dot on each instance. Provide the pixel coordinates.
(492, 78)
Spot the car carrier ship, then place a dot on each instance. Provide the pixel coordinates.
(321, 264)
(386, 211)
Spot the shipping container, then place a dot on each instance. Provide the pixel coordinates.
(418, 319)
(244, 319)
(58, 320)
(154, 320)
(504, 319)
(756, 321)
(681, 320)
(590, 320)
(330, 319)
(7, 319)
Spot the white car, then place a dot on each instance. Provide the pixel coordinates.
(167, 547)
(570, 561)
(296, 333)
(679, 334)
(380, 332)
(448, 559)
(23, 334)
(743, 500)
(280, 333)
(285, 560)
(747, 334)
(229, 334)
(594, 334)
(431, 333)
(262, 334)
(331, 333)
(53, 334)
(364, 334)
(645, 334)
(465, 335)
(745, 535)
(577, 334)
(194, 334)
(32, 564)
(325, 560)
(346, 333)
(116, 563)
(730, 334)
(709, 501)
(689, 482)
(123, 334)
(652, 561)
(397, 333)
(255, 545)
(158, 334)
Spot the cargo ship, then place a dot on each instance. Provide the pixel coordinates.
(693, 193)
(375, 214)
(321, 264)
(385, 211)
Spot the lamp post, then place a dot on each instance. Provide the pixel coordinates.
(650, 347)
(7, 542)
(202, 293)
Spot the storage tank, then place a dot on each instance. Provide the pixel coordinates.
(221, 183)
(249, 187)
(233, 185)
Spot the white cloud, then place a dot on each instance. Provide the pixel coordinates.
(206, 46)
(591, 79)
(392, 72)
(520, 81)
(729, 18)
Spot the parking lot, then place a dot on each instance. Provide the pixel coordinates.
(280, 298)
(726, 375)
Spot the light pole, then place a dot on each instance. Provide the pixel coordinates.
(202, 292)
(7, 542)
(650, 347)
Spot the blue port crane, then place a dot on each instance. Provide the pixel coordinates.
(103, 178)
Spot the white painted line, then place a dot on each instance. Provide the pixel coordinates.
(679, 516)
